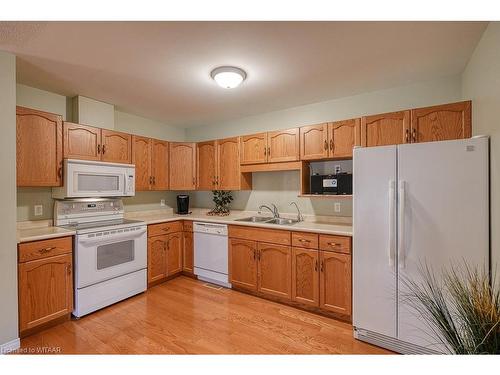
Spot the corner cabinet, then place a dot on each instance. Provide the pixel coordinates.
(39, 148)
(182, 166)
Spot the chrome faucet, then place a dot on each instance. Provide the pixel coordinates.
(299, 214)
(273, 210)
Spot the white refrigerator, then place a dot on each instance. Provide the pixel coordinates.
(413, 204)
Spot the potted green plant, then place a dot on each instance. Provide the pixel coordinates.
(462, 308)
(222, 199)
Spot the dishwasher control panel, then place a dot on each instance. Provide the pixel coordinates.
(210, 228)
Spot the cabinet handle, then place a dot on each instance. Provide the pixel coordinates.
(59, 172)
(265, 150)
(407, 136)
(316, 266)
(331, 145)
(46, 250)
(322, 264)
(150, 180)
(414, 135)
(304, 240)
(254, 254)
(269, 151)
(68, 269)
(154, 180)
(194, 181)
(98, 149)
(326, 145)
(103, 149)
(258, 254)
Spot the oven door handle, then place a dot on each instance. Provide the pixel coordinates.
(84, 239)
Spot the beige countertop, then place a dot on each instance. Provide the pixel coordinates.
(41, 230)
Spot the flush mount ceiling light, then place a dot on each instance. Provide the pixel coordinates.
(228, 77)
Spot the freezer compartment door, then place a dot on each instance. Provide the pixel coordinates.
(374, 239)
(443, 206)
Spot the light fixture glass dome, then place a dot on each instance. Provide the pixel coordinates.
(228, 77)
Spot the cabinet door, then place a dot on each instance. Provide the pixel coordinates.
(385, 129)
(335, 282)
(39, 153)
(243, 263)
(141, 158)
(254, 149)
(344, 135)
(159, 164)
(182, 166)
(116, 147)
(174, 253)
(187, 258)
(442, 122)
(206, 165)
(283, 145)
(314, 142)
(157, 258)
(81, 142)
(45, 290)
(274, 270)
(305, 276)
(228, 168)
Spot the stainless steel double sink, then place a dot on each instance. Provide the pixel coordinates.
(268, 220)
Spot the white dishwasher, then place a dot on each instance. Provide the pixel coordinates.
(211, 253)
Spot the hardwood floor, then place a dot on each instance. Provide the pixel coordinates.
(184, 316)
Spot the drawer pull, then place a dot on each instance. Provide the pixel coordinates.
(333, 244)
(304, 240)
(46, 250)
(165, 229)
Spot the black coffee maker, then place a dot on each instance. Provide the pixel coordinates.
(183, 204)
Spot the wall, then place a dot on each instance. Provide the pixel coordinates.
(92, 112)
(31, 97)
(129, 123)
(283, 187)
(481, 83)
(8, 252)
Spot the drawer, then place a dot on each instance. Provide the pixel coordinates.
(187, 226)
(164, 228)
(305, 240)
(276, 236)
(44, 249)
(339, 244)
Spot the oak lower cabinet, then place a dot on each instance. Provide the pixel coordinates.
(39, 148)
(274, 270)
(45, 272)
(90, 143)
(305, 276)
(165, 248)
(335, 282)
(243, 263)
(188, 252)
(182, 166)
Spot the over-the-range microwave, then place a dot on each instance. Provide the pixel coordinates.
(86, 179)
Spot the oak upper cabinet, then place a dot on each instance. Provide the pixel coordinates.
(274, 270)
(45, 282)
(335, 282)
(243, 263)
(283, 145)
(305, 276)
(314, 142)
(254, 149)
(229, 176)
(343, 136)
(141, 158)
(385, 129)
(182, 166)
(206, 165)
(159, 164)
(116, 146)
(188, 252)
(174, 253)
(441, 122)
(81, 142)
(157, 258)
(39, 148)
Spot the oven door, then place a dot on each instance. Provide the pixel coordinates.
(104, 255)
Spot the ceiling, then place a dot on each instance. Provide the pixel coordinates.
(160, 70)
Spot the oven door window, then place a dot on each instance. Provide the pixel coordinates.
(114, 254)
(96, 182)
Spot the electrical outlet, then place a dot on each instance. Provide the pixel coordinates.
(162, 202)
(337, 169)
(336, 207)
(38, 210)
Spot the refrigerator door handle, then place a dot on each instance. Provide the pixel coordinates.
(392, 198)
(401, 224)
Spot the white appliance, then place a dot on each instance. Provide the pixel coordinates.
(83, 179)
(110, 252)
(413, 204)
(211, 253)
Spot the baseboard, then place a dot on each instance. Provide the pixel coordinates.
(10, 346)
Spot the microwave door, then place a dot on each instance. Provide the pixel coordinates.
(88, 184)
